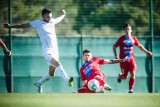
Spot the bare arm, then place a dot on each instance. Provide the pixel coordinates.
(115, 53)
(7, 25)
(141, 47)
(114, 61)
(5, 48)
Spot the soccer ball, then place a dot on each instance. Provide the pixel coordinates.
(93, 84)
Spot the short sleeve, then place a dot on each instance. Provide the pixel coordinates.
(34, 24)
(101, 60)
(117, 43)
(136, 41)
(98, 60)
(59, 19)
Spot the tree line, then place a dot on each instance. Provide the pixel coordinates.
(89, 17)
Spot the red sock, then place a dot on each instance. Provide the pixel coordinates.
(131, 83)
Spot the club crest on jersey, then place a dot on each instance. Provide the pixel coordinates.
(129, 42)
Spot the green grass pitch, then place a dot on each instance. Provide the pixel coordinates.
(79, 100)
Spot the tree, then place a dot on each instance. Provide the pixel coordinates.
(114, 14)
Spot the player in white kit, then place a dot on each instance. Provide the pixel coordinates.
(46, 31)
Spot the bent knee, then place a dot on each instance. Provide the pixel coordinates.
(51, 74)
(52, 70)
(54, 62)
(132, 75)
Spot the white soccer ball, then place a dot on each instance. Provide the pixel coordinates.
(93, 84)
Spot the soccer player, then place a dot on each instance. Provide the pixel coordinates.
(126, 44)
(46, 31)
(91, 70)
(5, 48)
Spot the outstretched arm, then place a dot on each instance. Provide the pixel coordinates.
(141, 47)
(60, 18)
(5, 48)
(7, 25)
(114, 61)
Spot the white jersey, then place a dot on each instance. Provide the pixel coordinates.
(46, 32)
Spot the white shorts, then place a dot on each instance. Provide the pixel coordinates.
(50, 54)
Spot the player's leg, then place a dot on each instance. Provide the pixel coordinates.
(48, 56)
(61, 71)
(45, 78)
(85, 89)
(131, 82)
(53, 60)
(124, 71)
(101, 78)
(132, 79)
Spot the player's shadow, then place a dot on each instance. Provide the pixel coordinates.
(148, 66)
(6, 66)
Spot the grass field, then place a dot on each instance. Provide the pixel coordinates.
(79, 100)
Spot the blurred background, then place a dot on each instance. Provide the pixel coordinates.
(93, 24)
(88, 17)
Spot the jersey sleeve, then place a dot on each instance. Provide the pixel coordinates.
(59, 19)
(136, 41)
(99, 60)
(34, 24)
(117, 43)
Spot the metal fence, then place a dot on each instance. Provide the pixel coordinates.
(91, 17)
(28, 65)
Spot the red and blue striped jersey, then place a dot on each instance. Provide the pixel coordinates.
(91, 68)
(126, 46)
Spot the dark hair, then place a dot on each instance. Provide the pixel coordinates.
(126, 25)
(45, 11)
(87, 51)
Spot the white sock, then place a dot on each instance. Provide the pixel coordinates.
(44, 78)
(62, 72)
